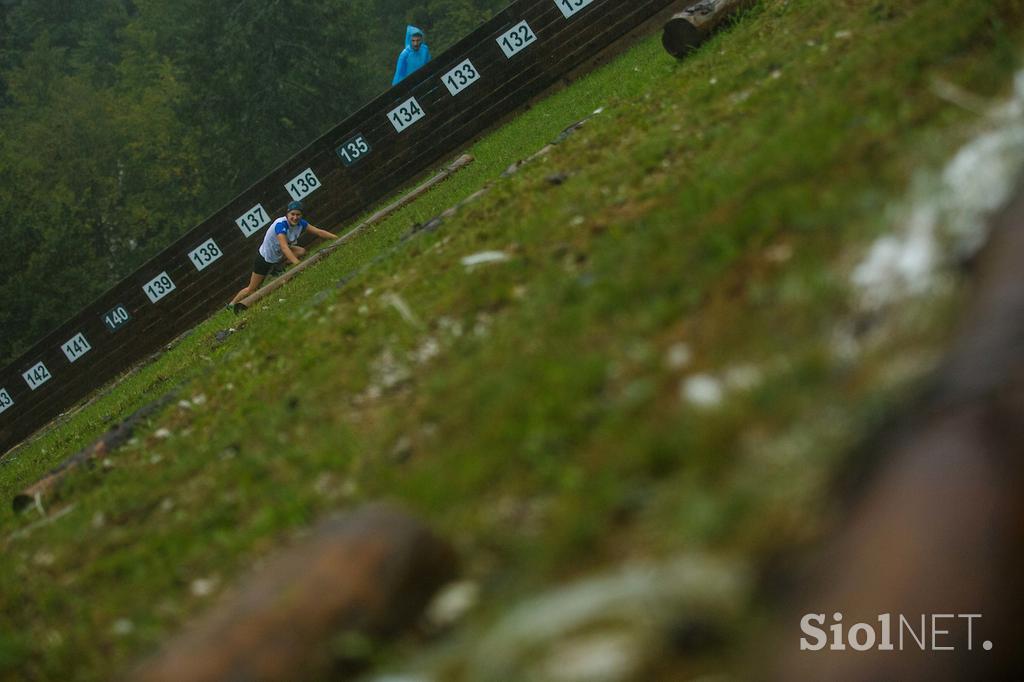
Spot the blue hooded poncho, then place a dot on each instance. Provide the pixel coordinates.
(410, 59)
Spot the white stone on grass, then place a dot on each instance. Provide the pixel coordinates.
(485, 257)
(702, 390)
(399, 304)
(453, 602)
(122, 627)
(742, 378)
(203, 587)
(678, 356)
(898, 266)
(600, 657)
(44, 558)
(427, 351)
(946, 217)
(630, 611)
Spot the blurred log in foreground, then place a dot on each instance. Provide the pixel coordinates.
(365, 575)
(936, 537)
(685, 31)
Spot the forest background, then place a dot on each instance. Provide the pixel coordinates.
(123, 123)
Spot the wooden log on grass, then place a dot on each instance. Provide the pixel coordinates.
(686, 31)
(110, 441)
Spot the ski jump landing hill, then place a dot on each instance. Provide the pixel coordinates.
(495, 71)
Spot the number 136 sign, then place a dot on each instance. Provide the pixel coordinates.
(303, 184)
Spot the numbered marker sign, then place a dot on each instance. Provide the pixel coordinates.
(37, 376)
(571, 7)
(516, 39)
(5, 399)
(304, 184)
(76, 347)
(405, 114)
(158, 287)
(461, 77)
(353, 151)
(204, 254)
(116, 318)
(253, 219)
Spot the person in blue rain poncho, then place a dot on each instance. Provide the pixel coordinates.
(414, 56)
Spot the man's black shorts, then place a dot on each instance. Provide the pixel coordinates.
(261, 266)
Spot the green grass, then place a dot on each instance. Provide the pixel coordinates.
(532, 417)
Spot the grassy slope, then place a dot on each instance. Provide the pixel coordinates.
(531, 415)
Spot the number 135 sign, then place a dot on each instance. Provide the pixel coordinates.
(353, 151)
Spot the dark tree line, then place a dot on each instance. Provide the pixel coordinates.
(124, 122)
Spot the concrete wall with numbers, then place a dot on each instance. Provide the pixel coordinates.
(494, 71)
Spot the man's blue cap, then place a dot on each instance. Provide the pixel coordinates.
(295, 206)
